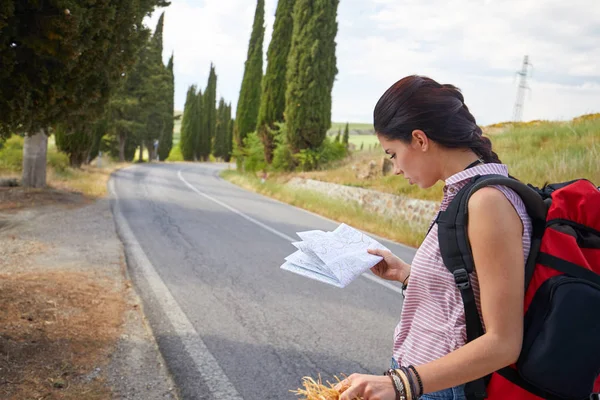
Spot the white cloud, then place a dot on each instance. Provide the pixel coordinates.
(476, 45)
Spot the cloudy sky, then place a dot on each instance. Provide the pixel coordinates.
(477, 45)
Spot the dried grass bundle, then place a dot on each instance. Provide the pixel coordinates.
(316, 390)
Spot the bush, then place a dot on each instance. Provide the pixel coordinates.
(283, 159)
(58, 161)
(252, 156)
(11, 154)
(329, 151)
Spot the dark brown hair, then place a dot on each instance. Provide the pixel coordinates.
(418, 102)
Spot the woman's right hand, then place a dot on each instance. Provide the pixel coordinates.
(391, 267)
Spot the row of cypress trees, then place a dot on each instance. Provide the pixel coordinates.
(301, 69)
(205, 128)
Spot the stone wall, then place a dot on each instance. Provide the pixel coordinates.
(416, 212)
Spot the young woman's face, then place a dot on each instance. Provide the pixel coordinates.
(412, 160)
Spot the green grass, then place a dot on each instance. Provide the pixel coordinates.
(347, 212)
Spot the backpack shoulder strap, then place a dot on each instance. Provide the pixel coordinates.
(458, 258)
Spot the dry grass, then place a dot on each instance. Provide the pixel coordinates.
(88, 180)
(57, 329)
(317, 390)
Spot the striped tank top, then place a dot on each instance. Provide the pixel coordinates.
(432, 322)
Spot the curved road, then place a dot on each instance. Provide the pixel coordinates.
(205, 255)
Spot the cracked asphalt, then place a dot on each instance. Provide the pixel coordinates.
(266, 328)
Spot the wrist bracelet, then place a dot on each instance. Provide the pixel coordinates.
(402, 375)
(414, 371)
(411, 382)
(398, 387)
(404, 284)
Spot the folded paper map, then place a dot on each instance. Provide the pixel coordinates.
(336, 258)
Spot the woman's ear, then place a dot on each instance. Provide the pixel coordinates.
(420, 141)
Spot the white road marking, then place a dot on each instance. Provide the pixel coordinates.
(275, 231)
(215, 379)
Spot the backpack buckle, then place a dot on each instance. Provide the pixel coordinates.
(461, 278)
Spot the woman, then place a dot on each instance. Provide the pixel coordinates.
(430, 135)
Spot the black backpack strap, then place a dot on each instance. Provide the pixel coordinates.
(458, 258)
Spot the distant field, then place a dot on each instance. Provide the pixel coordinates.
(336, 126)
(366, 140)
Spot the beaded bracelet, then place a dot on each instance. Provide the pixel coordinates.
(414, 371)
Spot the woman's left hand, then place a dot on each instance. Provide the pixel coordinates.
(367, 387)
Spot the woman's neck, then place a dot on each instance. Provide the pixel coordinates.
(456, 161)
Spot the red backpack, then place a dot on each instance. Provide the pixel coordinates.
(560, 357)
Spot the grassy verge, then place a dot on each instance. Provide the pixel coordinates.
(90, 180)
(342, 211)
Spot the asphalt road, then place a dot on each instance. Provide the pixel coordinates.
(205, 255)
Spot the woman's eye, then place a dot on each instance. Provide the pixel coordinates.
(392, 156)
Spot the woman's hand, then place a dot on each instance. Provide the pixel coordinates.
(391, 267)
(367, 387)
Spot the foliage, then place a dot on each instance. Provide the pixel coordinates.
(251, 154)
(249, 99)
(311, 71)
(11, 154)
(166, 140)
(272, 100)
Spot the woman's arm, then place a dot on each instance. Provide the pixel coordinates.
(496, 234)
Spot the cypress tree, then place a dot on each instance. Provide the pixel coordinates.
(272, 100)
(249, 100)
(202, 138)
(165, 143)
(154, 97)
(76, 142)
(221, 130)
(229, 143)
(209, 110)
(338, 136)
(311, 73)
(346, 135)
(186, 143)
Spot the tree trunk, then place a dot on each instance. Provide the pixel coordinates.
(122, 148)
(151, 155)
(35, 148)
(77, 158)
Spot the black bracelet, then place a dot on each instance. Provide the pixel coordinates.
(414, 370)
(411, 381)
(404, 284)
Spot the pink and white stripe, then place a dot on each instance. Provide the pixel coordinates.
(432, 322)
